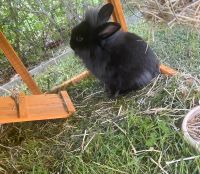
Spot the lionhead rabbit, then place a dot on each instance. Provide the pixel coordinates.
(121, 60)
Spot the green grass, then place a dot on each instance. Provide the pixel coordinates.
(127, 135)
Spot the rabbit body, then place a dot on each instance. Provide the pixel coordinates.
(121, 60)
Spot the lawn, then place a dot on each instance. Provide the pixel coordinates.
(137, 133)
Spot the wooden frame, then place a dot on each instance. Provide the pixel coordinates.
(46, 106)
(34, 107)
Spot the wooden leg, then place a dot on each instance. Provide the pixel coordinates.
(17, 64)
(72, 81)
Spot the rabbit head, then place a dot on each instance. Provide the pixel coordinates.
(94, 28)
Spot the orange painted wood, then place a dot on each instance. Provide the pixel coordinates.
(22, 105)
(72, 81)
(167, 70)
(36, 107)
(17, 64)
(8, 108)
(67, 101)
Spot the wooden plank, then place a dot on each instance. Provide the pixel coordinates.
(43, 100)
(48, 105)
(38, 112)
(4, 101)
(7, 107)
(36, 107)
(17, 64)
(69, 105)
(4, 120)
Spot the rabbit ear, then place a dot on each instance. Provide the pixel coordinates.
(105, 12)
(108, 29)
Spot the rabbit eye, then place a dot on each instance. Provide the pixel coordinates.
(79, 38)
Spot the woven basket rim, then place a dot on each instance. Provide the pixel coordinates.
(191, 114)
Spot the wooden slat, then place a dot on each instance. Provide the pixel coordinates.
(36, 100)
(7, 119)
(34, 113)
(5, 101)
(67, 101)
(17, 64)
(36, 107)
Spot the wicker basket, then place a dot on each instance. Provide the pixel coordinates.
(194, 113)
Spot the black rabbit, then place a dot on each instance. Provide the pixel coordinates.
(121, 60)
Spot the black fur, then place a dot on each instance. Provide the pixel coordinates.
(121, 60)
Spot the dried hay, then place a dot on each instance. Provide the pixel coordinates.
(170, 11)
